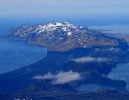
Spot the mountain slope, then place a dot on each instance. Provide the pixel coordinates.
(22, 83)
(76, 56)
(63, 36)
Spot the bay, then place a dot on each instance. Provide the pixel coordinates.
(16, 54)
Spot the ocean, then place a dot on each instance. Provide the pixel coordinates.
(16, 54)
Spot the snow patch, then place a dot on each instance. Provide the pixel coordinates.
(69, 33)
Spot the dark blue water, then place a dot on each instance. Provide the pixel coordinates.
(92, 88)
(121, 72)
(16, 54)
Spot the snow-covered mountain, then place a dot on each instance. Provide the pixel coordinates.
(62, 36)
(91, 55)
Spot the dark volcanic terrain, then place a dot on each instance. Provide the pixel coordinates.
(76, 56)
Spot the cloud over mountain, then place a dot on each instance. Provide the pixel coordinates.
(90, 59)
(60, 77)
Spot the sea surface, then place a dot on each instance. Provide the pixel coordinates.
(117, 28)
(92, 88)
(16, 54)
(121, 72)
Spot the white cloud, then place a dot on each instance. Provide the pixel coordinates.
(108, 49)
(60, 77)
(90, 59)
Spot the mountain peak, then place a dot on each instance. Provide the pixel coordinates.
(63, 36)
(64, 26)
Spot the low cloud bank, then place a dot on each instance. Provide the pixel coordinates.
(60, 77)
(112, 49)
(90, 59)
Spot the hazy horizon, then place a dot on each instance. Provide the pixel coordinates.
(84, 12)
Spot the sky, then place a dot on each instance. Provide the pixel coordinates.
(75, 11)
(61, 8)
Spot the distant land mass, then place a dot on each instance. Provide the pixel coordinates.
(76, 56)
(63, 36)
